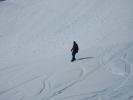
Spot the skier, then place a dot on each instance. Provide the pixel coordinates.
(74, 50)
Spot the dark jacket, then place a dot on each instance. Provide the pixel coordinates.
(75, 48)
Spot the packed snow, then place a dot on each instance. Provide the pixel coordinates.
(36, 37)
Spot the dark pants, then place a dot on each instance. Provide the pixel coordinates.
(73, 56)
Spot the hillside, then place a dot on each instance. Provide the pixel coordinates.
(36, 38)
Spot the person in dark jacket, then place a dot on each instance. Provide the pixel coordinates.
(74, 50)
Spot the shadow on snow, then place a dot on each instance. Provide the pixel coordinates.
(84, 58)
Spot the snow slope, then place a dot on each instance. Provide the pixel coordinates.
(35, 41)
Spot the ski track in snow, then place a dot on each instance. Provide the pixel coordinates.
(18, 85)
(118, 55)
(50, 92)
(47, 92)
(85, 96)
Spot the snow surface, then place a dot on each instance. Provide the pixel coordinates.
(35, 41)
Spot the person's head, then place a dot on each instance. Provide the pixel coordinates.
(74, 42)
